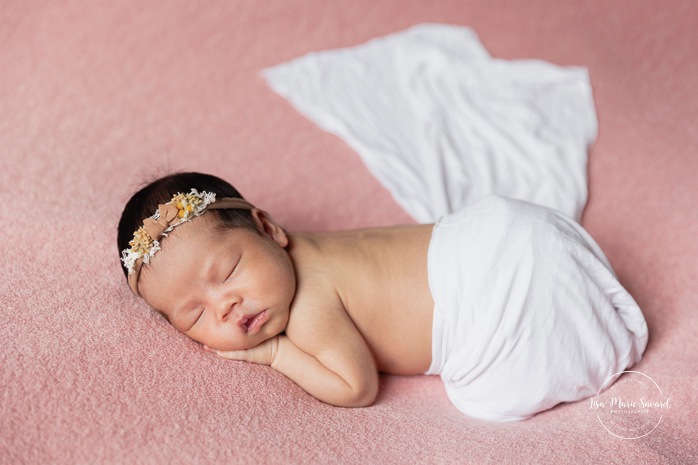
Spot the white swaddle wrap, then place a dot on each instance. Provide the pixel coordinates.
(440, 123)
(528, 312)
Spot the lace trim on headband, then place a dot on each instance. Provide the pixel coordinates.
(182, 208)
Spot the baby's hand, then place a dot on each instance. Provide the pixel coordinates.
(263, 354)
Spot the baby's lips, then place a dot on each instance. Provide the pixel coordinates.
(243, 319)
(256, 321)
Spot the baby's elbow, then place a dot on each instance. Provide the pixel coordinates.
(362, 395)
(366, 399)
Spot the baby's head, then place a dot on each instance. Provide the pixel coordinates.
(218, 269)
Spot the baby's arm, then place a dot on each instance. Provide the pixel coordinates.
(337, 375)
(336, 366)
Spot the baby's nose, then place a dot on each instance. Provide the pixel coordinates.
(229, 308)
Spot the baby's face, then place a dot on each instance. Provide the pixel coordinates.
(229, 289)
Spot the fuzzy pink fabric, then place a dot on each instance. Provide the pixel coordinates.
(98, 96)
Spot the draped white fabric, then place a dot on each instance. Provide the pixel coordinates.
(441, 123)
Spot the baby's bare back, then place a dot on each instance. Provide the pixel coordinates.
(380, 279)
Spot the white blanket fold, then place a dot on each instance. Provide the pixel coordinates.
(440, 123)
(528, 312)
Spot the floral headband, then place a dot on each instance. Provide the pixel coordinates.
(179, 210)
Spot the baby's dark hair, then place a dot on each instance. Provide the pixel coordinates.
(144, 204)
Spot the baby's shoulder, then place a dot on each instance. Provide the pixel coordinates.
(316, 311)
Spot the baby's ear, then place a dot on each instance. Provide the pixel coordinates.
(266, 224)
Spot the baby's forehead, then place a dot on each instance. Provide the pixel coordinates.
(182, 252)
(179, 247)
(200, 239)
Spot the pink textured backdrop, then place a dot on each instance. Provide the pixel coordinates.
(97, 96)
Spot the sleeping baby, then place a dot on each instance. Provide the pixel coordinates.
(512, 304)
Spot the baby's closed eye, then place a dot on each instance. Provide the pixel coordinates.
(198, 315)
(232, 271)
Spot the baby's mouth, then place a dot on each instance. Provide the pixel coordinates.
(251, 323)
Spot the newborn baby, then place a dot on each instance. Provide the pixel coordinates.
(512, 304)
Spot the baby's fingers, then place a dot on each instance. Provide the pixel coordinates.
(261, 354)
(242, 355)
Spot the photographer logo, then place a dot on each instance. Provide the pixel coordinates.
(630, 405)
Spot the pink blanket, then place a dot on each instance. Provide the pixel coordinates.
(96, 97)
